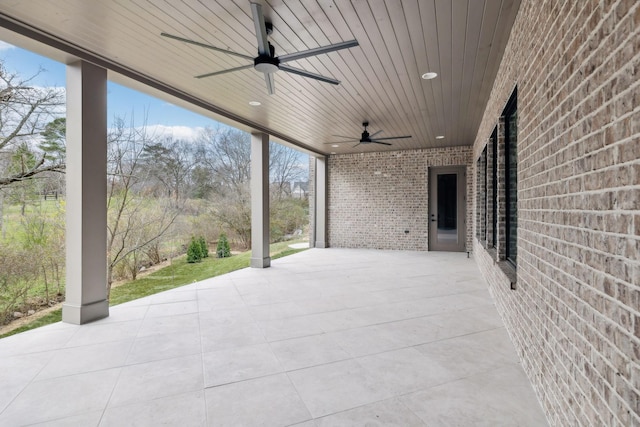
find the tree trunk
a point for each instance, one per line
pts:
(46, 282)
(134, 268)
(2, 229)
(56, 271)
(109, 279)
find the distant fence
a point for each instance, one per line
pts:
(50, 195)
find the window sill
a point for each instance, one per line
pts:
(510, 271)
(506, 267)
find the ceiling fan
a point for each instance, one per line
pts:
(267, 62)
(367, 138)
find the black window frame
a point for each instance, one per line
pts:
(485, 196)
(511, 184)
(481, 196)
(494, 188)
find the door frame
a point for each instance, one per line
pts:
(461, 204)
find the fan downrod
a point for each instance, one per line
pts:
(365, 135)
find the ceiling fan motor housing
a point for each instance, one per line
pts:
(365, 134)
(367, 138)
(266, 64)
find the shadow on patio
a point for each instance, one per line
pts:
(325, 337)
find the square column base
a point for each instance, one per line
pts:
(260, 262)
(79, 315)
(320, 244)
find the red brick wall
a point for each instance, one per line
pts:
(575, 314)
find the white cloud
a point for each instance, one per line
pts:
(185, 133)
(5, 46)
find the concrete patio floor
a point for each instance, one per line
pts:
(326, 337)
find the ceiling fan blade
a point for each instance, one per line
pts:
(357, 144)
(347, 137)
(339, 142)
(261, 29)
(395, 137)
(317, 51)
(378, 142)
(376, 133)
(308, 74)
(230, 70)
(208, 46)
(271, 85)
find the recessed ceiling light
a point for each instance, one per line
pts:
(440, 137)
(333, 152)
(335, 146)
(430, 75)
(254, 103)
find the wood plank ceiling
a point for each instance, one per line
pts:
(399, 40)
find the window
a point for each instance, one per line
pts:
(481, 196)
(494, 187)
(497, 192)
(511, 178)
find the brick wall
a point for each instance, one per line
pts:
(575, 314)
(375, 197)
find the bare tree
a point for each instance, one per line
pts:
(16, 279)
(43, 237)
(285, 168)
(226, 153)
(134, 221)
(169, 162)
(233, 211)
(25, 111)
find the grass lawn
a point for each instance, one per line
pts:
(13, 229)
(177, 274)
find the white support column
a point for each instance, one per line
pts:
(260, 200)
(321, 203)
(86, 176)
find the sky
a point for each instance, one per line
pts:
(121, 101)
(162, 118)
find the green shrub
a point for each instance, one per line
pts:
(194, 251)
(223, 250)
(204, 249)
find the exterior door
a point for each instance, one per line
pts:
(447, 209)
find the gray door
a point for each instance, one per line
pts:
(447, 208)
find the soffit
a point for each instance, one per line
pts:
(461, 40)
